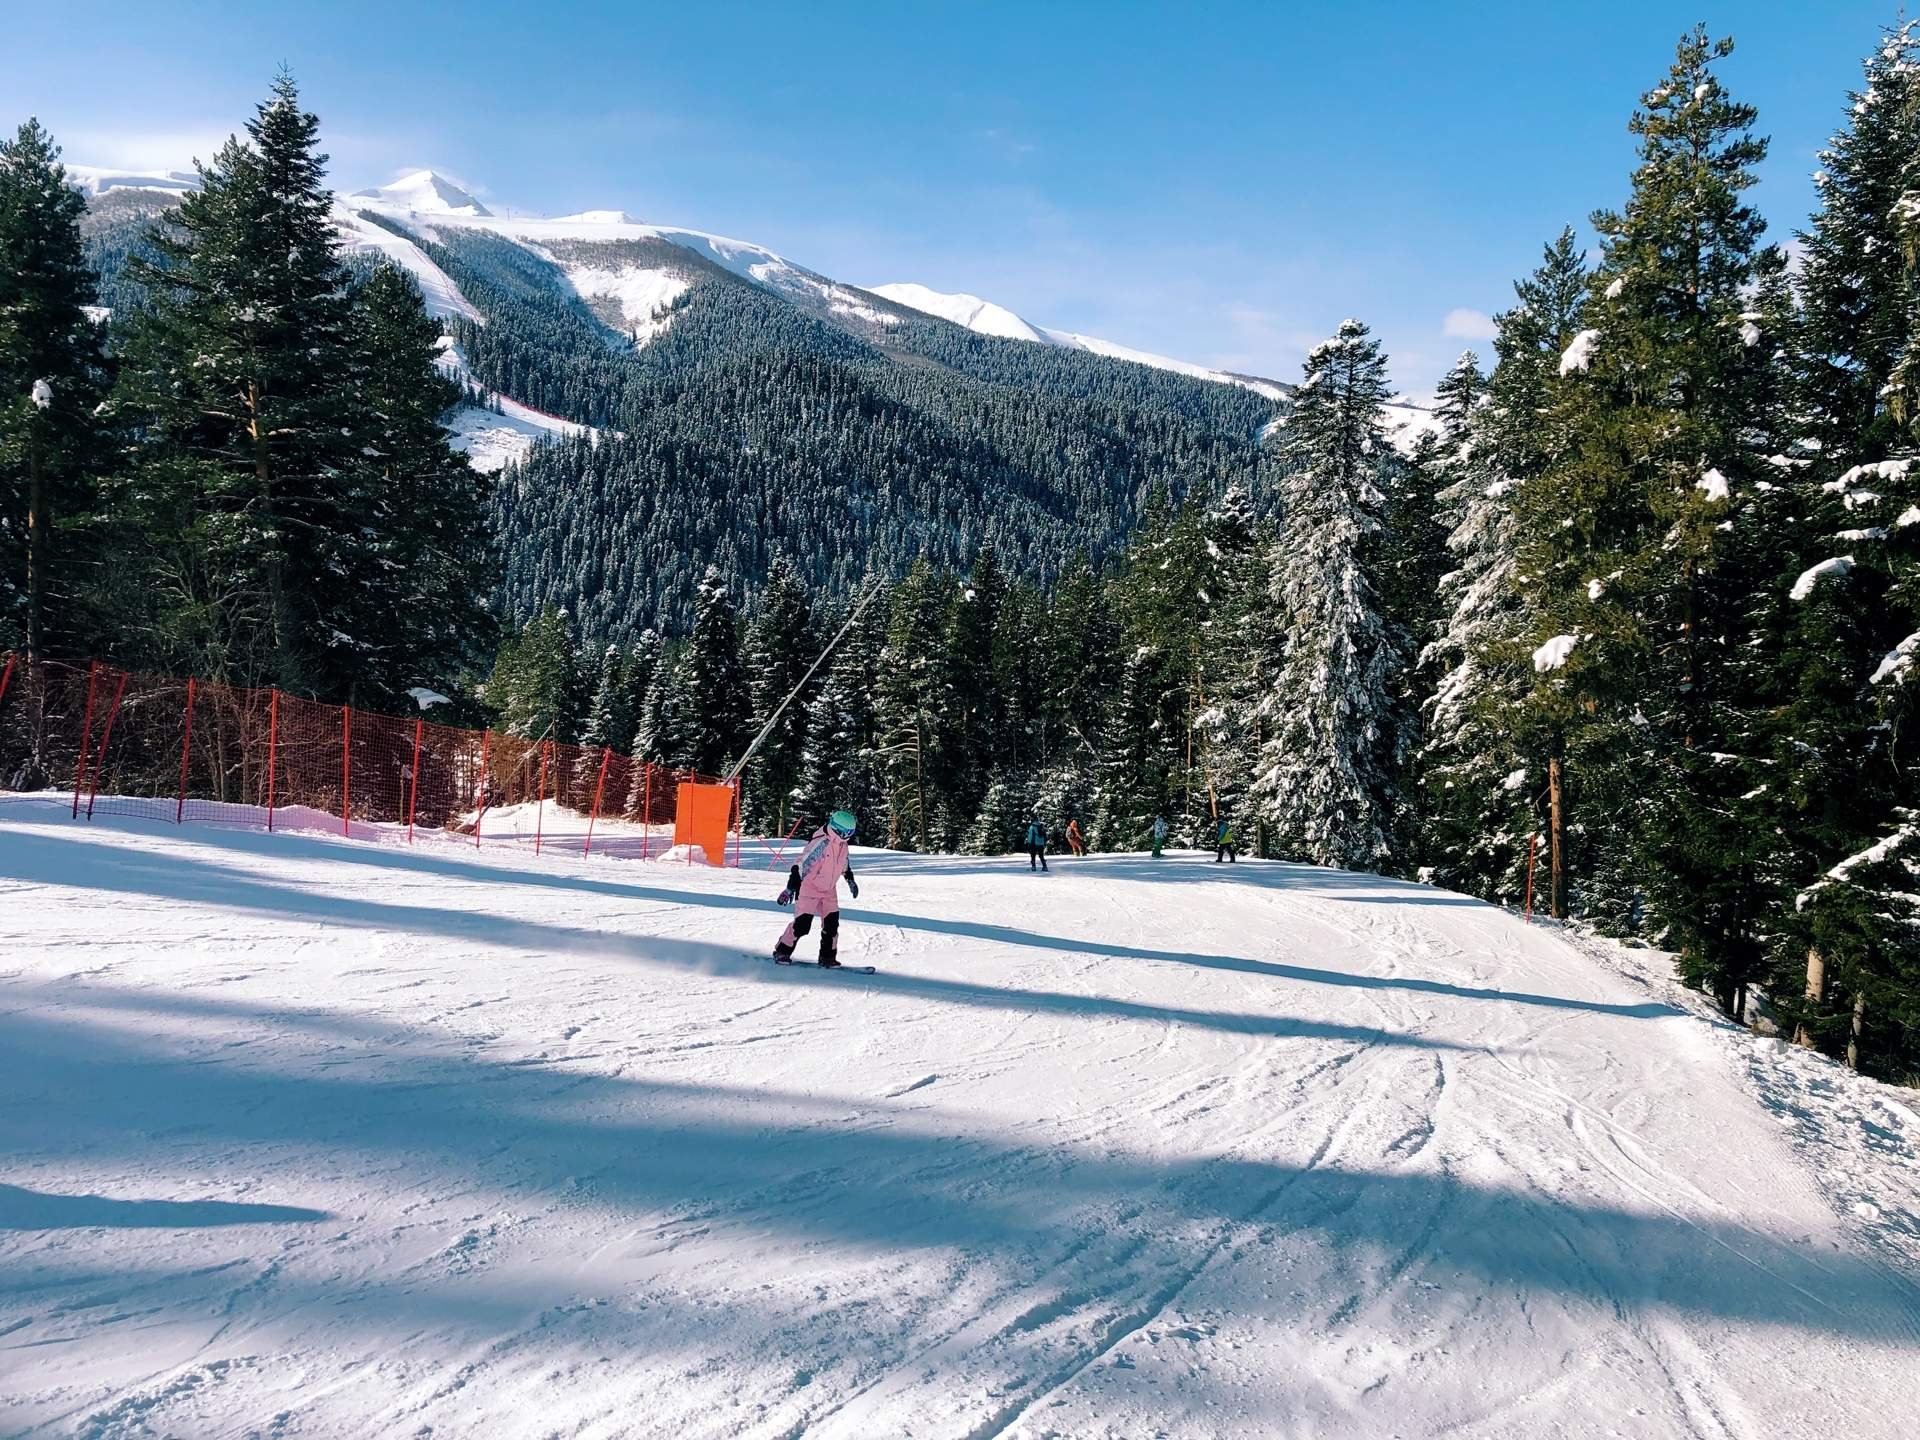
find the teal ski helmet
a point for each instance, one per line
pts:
(842, 823)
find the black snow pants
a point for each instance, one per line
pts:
(829, 935)
(1036, 857)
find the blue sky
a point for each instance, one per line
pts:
(1218, 182)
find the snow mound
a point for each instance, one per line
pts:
(1553, 654)
(422, 192)
(1835, 569)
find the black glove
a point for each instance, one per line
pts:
(786, 898)
(854, 886)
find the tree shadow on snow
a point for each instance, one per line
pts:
(47, 859)
(22, 1209)
(795, 1170)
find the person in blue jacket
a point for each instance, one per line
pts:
(1036, 844)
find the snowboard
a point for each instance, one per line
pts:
(850, 969)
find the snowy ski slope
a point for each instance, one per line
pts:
(312, 1137)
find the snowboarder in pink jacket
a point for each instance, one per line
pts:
(813, 888)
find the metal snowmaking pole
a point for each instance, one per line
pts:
(781, 709)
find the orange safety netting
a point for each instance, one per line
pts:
(100, 740)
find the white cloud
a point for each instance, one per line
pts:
(1463, 324)
(140, 149)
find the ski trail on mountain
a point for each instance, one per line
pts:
(1134, 1147)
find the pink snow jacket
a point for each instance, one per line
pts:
(815, 880)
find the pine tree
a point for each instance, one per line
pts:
(1843, 967)
(713, 683)
(1649, 532)
(534, 690)
(911, 701)
(1485, 758)
(1327, 777)
(52, 377)
(781, 646)
(840, 764)
(237, 374)
(421, 560)
(1133, 766)
(1238, 646)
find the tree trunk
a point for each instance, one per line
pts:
(1859, 1024)
(1556, 836)
(1816, 992)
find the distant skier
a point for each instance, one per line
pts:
(1223, 843)
(1159, 834)
(813, 888)
(1036, 844)
(1076, 841)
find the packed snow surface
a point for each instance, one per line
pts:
(318, 1137)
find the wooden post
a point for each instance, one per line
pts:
(413, 788)
(86, 739)
(606, 758)
(106, 735)
(186, 744)
(1816, 991)
(273, 749)
(1557, 853)
(346, 771)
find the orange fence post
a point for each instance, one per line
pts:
(733, 823)
(106, 734)
(86, 738)
(273, 747)
(7, 674)
(413, 788)
(646, 812)
(186, 744)
(1533, 848)
(540, 810)
(606, 758)
(346, 770)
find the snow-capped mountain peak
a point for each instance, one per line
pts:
(424, 193)
(969, 311)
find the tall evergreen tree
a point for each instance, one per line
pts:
(535, 688)
(233, 374)
(52, 376)
(1649, 532)
(781, 646)
(1484, 760)
(1327, 781)
(713, 682)
(415, 572)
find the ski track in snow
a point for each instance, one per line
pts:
(330, 1138)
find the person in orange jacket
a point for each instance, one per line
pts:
(1075, 840)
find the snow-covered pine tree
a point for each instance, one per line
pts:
(1132, 770)
(840, 765)
(1326, 781)
(1483, 761)
(1239, 645)
(714, 681)
(974, 728)
(911, 700)
(238, 377)
(1657, 527)
(535, 688)
(1844, 971)
(781, 645)
(52, 376)
(1428, 492)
